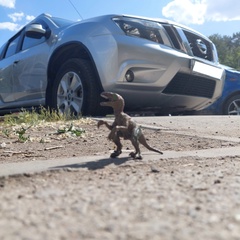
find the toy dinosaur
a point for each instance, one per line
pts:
(123, 127)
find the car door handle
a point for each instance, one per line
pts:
(15, 62)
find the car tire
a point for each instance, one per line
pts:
(75, 90)
(232, 105)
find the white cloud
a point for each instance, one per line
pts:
(18, 21)
(29, 18)
(223, 10)
(199, 11)
(16, 17)
(9, 26)
(185, 11)
(7, 3)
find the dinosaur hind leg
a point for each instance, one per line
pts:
(137, 153)
(118, 151)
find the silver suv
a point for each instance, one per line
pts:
(154, 64)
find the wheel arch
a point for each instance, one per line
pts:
(64, 53)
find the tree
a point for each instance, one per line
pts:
(228, 48)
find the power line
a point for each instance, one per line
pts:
(75, 9)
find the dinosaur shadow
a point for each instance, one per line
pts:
(94, 165)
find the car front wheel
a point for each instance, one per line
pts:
(232, 105)
(75, 90)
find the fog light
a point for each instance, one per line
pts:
(129, 76)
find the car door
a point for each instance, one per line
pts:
(6, 71)
(30, 69)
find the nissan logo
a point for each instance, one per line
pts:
(201, 46)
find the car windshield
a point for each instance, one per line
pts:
(1, 50)
(61, 22)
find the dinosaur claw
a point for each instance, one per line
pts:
(134, 156)
(115, 154)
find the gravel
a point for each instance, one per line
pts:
(174, 199)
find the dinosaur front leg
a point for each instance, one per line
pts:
(101, 122)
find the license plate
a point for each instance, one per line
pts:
(208, 70)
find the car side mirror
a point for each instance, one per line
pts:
(36, 31)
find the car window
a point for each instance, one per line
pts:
(2, 51)
(61, 22)
(30, 42)
(12, 46)
(199, 46)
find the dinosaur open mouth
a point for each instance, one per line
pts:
(106, 97)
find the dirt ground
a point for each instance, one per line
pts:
(173, 199)
(57, 140)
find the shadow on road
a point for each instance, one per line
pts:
(94, 165)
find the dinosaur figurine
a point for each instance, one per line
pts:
(123, 127)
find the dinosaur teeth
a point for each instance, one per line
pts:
(103, 95)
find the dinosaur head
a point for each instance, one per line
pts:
(114, 100)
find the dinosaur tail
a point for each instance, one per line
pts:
(143, 141)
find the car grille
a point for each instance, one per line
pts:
(192, 39)
(192, 85)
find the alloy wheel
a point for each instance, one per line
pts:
(234, 107)
(70, 94)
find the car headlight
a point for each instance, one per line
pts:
(141, 28)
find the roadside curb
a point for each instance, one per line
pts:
(95, 162)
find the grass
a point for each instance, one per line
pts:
(34, 117)
(19, 123)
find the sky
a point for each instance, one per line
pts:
(206, 16)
